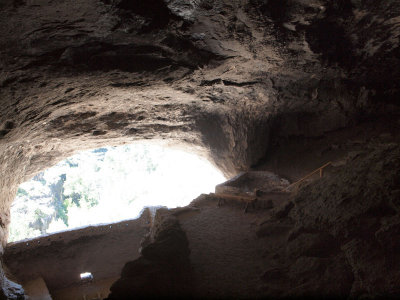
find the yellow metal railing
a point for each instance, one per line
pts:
(251, 199)
(248, 199)
(320, 170)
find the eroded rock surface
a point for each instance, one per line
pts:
(339, 233)
(335, 237)
(230, 80)
(163, 270)
(10, 289)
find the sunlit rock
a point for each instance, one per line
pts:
(250, 85)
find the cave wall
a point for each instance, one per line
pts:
(60, 258)
(227, 78)
(334, 237)
(37, 289)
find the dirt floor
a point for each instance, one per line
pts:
(226, 254)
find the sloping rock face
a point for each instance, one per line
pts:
(362, 216)
(9, 289)
(340, 234)
(222, 78)
(163, 270)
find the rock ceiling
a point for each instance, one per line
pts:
(222, 78)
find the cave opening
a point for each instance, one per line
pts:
(108, 185)
(267, 90)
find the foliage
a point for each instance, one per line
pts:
(58, 199)
(21, 192)
(103, 185)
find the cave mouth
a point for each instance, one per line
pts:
(107, 185)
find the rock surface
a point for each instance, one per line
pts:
(361, 217)
(10, 290)
(101, 250)
(163, 270)
(227, 79)
(335, 237)
(339, 234)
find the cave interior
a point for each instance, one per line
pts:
(268, 91)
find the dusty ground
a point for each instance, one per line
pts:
(226, 254)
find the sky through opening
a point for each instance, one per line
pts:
(108, 185)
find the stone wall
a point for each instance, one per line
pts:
(60, 258)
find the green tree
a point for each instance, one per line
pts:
(59, 203)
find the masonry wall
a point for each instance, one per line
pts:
(60, 258)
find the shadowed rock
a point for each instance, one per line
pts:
(164, 268)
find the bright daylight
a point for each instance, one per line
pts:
(108, 185)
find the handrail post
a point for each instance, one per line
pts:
(321, 173)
